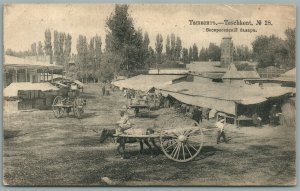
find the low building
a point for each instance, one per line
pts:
(25, 83)
(145, 83)
(234, 76)
(27, 96)
(169, 71)
(27, 70)
(238, 103)
(270, 72)
(287, 79)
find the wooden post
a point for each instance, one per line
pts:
(51, 75)
(26, 75)
(47, 75)
(16, 74)
(236, 122)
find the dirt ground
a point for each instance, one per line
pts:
(42, 150)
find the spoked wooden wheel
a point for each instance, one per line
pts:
(78, 107)
(57, 107)
(182, 145)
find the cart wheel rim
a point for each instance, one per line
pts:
(58, 111)
(57, 107)
(182, 146)
(78, 111)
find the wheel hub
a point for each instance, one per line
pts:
(181, 138)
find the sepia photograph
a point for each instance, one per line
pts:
(149, 95)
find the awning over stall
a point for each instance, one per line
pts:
(146, 82)
(13, 88)
(22, 63)
(222, 97)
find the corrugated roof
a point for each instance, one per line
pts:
(11, 61)
(247, 94)
(203, 67)
(146, 82)
(288, 76)
(13, 88)
(169, 71)
(233, 73)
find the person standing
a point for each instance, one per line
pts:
(197, 115)
(103, 89)
(256, 120)
(272, 116)
(107, 88)
(221, 133)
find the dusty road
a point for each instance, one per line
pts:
(42, 150)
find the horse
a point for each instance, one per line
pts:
(106, 133)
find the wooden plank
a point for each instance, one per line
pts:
(137, 136)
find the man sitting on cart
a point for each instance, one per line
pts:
(124, 123)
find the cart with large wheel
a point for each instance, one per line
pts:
(62, 105)
(179, 144)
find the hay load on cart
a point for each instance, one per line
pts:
(180, 138)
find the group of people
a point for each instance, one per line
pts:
(197, 114)
(273, 117)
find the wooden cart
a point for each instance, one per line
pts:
(63, 105)
(180, 144)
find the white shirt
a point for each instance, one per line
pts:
(220, 126)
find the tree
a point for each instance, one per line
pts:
(213, 52)
(40, 51)
(110, 62)
(158, 48)
(195, 52)
(82, 57)
(67, 50)
(61, 43)
(291, 46)
(98, 55)
(124, 40)
(146, 52)
(178, 48)
(190, 54)
(203, 54)
(55, 46)
(185, 56)
(241, 53)
(173, 44)
(269, 51)
(151, 58)
(48, 45)
(33, 49)
(168, 47)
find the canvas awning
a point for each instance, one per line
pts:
(289, 76)
(13, 88)
(11, 62)
(146, 82)
(222, 97)
(206, 102)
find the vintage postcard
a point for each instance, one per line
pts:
(149, 95)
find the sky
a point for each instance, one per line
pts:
(25, 24)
